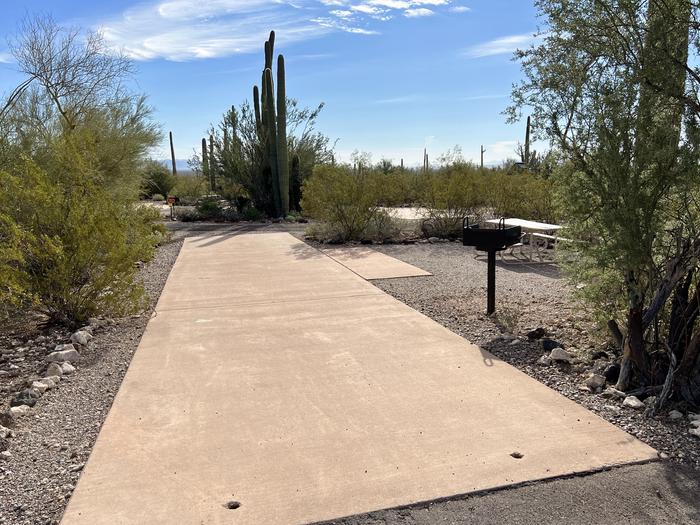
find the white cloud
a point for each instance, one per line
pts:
(460, 9)
(5, 58)
(367, 9)
(501, 46)
(192, 29)
(391, 4)
(418, 12)
(341, 13)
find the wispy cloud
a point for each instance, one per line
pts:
(460, 9)
(398, 100)
(501, 46)
(191, 29)
(418, 12)
(5, 58)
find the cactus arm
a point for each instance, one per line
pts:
(282, 153)
(272, 138)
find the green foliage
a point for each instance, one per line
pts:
(189, 188)
(344, 200)
(80, 259)
(157, 180)
(72, 142)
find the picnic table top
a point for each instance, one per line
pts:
(528, 225)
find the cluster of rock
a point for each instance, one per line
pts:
(58, 363)
(596, 383)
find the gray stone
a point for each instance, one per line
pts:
(633, 402)
(81, 337)
(39, 386)
(67, 368)
(67, 354)
(695, 423)
(614, 392)
(19, 411)
(595, 382)
(692, 416)
(54, 369)
(5, 455)
(560, 355)
(695, 432)
(5, 432)
(50, 381)
(545, 360)
(675, 415)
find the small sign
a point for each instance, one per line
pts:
(172, 200)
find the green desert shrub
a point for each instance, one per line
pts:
(346, 201)
(81, 257)
(157, 180)
(189, 188)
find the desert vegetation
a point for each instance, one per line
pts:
(72, 142)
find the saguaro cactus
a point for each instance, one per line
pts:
(212, 164)
(205, 163)
(271, 121)
(282, 153)
(526, 148)
(172, 154)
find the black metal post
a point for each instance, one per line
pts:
(491, 283)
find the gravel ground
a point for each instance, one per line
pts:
(527, 297)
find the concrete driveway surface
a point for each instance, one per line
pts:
(273, 377)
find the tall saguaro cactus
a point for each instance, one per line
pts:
(172, 154)
(282, 153)
(271, 121)
(526, 150)
(205, 164)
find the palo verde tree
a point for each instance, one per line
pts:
(72, 141)
(613, 85)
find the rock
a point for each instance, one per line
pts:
(50, 381)
(67, 368)
(4, 444)
(612, 373)
(595, 382)
(5, 432)
(650, 401)
(20, 411)
(54, 369)
(614, 392)
(695, 423)
(601, 354)
(5, 455)
(28, 397)
(81, 337)
(550, 344)
(39, 386)
(537, 333)
(433, 240)
(545, 360)
(67, 354)
(675, 415)
(7, 419)
(633, 402)
(560, 355)
(695, 432)
(692, 416)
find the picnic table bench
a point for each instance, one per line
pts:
(535, 231)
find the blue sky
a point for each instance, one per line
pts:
(396, 75)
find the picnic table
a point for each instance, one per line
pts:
(536, 231)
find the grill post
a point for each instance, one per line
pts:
(491, 283)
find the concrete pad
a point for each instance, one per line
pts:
(371, 264)
(313, 406)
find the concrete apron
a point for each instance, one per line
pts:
(273, 376)
(371, 264)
